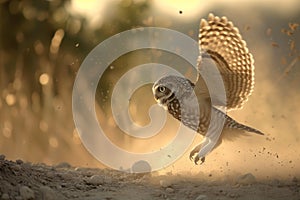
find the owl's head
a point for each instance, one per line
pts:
(169, 88)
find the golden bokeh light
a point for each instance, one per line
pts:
(44, 79)
(43, 126)
(10, 99)
(56, 41)
(7, 129)
(53, 142)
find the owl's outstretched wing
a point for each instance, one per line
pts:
(220, 41)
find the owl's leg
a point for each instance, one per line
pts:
(203, 149)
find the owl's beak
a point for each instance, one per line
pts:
(158, 98)
(153, 92)
(161, 103)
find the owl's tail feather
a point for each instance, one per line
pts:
(231, 123)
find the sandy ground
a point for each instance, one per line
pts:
(22, 180)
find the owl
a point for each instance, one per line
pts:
(224, 82)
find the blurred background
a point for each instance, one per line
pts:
(43, 43)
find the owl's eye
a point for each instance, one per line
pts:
(161, 89)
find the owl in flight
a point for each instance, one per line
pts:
(203, 105)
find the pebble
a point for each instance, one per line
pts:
(165, 183)
(49, 194)
(79, 169)
(201, 197)
(26, 193)
(246, 179)
(2, 157)
(95, 180)
(169, 190)
(79, 186)
(232, 195)
(67, 175)
(5, 196)
(63, 165)
(19, 162)
(108, 180)
(16, 167)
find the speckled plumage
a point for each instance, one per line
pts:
(195, 104)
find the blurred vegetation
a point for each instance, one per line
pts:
(42, 45)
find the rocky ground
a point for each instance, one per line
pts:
(21, 180)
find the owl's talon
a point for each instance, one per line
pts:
(194, 155)
(194, 152)
(197, 158)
